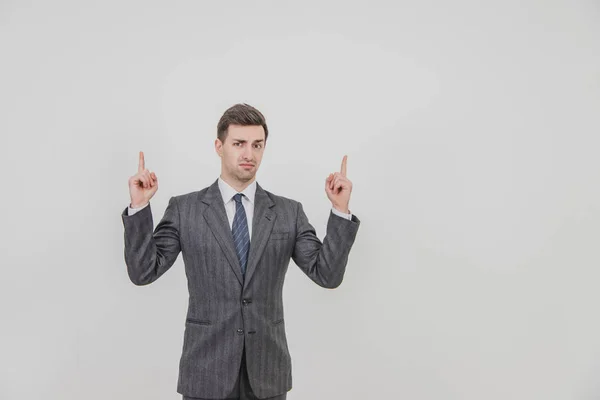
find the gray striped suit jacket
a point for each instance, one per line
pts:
(226, 310)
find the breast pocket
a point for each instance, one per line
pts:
(279, 236)
(196, 321)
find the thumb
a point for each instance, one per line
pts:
(328, 184)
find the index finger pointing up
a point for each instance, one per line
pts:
(343, 170)
(141, 165)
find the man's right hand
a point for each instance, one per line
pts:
(142, 185)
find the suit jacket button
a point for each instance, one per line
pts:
(240, 331)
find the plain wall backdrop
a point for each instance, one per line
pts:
(471, 130)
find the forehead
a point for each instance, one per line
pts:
(248, 133)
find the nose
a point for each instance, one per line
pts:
(247, 153)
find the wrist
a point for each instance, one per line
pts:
(342, 209)
(132, 205)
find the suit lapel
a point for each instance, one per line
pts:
(216, 218)
(262, 225)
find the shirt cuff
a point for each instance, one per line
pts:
(131, 211)
(341, 214)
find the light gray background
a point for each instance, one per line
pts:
(471, 130)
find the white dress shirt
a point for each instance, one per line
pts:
(227, 193)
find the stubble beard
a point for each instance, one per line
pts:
(243, 176)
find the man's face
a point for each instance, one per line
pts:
(242, 152)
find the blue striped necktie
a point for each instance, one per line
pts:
(241, 236)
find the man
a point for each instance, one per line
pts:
(236, 240)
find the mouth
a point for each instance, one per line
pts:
(247, 166)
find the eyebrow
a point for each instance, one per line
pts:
(244, 141)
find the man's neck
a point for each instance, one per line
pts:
(238, 186)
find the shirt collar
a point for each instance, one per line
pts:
(227, 192)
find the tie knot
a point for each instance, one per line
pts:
(238, 198)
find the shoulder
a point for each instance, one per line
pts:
(190, 197)
(282, 201)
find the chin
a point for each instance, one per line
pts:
(245, 177)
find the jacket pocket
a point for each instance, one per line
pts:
(198, 321)
(277, 321)
(279, 235)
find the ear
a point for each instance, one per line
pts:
(219, 147)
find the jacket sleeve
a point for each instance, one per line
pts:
(150, 254)
(324, 262)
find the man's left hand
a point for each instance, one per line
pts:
(338, 188)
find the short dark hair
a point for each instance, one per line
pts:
(240, 114)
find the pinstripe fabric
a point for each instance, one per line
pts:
(242, 389)
(226, 310)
